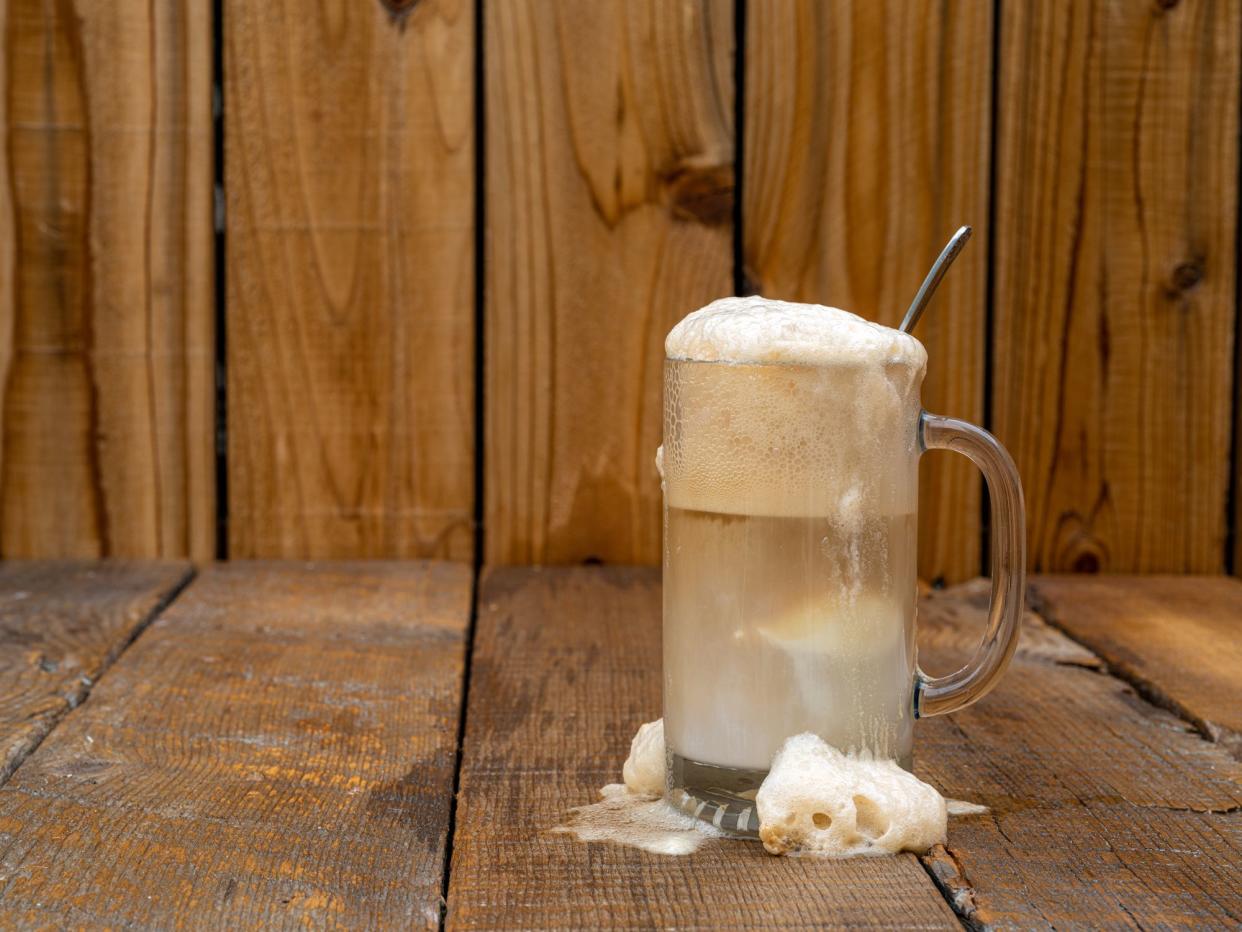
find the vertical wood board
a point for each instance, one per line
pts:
(106, 282)
(349, 174)
(1116, 187)
(609, 217)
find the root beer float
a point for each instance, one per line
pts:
(792, 434)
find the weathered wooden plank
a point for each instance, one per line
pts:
(106, 307)
(1178, 639)
(61, 625)
(566, 665)
(1105, 810)
(277, 750)
(1116, 187)
(350, 193)
(867, 144)
(609, 213)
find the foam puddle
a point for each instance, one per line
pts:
(814, 784)
(638, 821)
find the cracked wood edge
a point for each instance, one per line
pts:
(1176, 639)
(62, 624)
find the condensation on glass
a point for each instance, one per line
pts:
(790, 530)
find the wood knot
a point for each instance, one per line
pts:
(1164, 5)
(701, 192)
(398, 10)
(1185, 276)
(1087, 563)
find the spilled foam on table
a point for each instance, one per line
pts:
(960, 807)
(815, 801)
(635, 813)
(637, 820)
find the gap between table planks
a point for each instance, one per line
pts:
(61, 625)
(1104, 809)
(277, 749)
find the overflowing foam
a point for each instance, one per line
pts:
(790, 410)
(760, 330)
(819, 801)
(644, 768)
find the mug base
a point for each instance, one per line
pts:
(721, 796)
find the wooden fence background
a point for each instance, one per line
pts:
(357, 279)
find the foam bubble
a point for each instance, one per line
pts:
(816, 800)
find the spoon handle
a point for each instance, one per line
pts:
(932, 281)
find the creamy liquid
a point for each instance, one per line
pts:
(786, 625)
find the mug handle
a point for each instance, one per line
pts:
(935, 695)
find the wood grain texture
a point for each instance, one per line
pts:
(276, 751)
(1106, 812)
(566, 666)
(350, 197)
(1116, 187)
(61, 625)
(609, 213)
(1177, 639)
(106, 305)
(867, 144)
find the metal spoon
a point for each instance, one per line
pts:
(932, 281)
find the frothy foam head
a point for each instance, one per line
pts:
(760, 330)
(773, 408)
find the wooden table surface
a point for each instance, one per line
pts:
(386, 745)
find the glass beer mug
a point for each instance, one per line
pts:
(790, 529)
